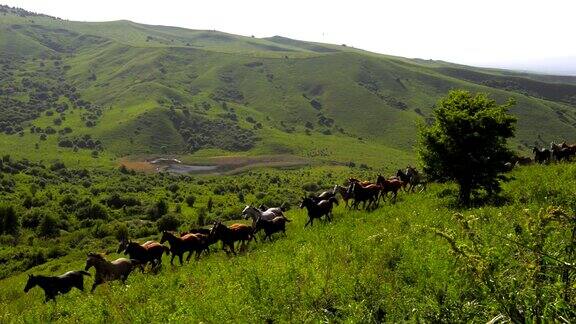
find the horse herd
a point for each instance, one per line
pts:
(559, 152)
(197, 241)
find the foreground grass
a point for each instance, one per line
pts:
(386, 265)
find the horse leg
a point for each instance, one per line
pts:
(180, 257)
(308, 222)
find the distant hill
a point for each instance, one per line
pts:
(77, 90)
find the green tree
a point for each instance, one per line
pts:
(466, 142)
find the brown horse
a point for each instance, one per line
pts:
(230, 235)
(149, 252)
(363, 194)
(179, 245)
(389, 186)
(109, 271)
(318, 209)
(344, 193)
(54, 286)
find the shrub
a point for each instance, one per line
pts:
(48, 226)
(93, 211)
(159, 209)
(190, 200)
(168, 222)
(8, 220)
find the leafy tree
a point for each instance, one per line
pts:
(467, 142)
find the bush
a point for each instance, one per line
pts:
(159, 209)
(173, 187)
(8, 220)
(32, 218)
(190, 200)
(48, 226)
(168, 222)
(94, 211)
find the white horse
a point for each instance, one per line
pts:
(256, 213)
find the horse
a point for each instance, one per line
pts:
(179, 245)
(318, 209)
(325, 195)
(571, 147)
(541, 155)
(405, 178)
(278, 224)
(277, 210)
(389, 186)
(232, 234)
(416, 179)
(255, 213)
(562, 154)
(343, 193)
(54, 286)
(109, 271)
(523, 160)
(353, 180)
(149, 252)
(369, 193)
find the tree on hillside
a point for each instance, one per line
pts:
(467, 142)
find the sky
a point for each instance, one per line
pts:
(499, 33)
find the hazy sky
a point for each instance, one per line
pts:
(479, 32)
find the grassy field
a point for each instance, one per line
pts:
(385, 265)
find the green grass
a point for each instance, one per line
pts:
(382, 265)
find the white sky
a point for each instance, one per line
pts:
(477, 32)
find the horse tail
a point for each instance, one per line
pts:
(85, 273)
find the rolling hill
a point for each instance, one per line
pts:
(96, 92)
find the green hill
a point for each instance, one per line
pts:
(147, 90)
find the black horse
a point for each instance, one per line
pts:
(57, 285)
(541, 155)
(318, 209)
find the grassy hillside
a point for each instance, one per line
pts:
(146, 90)
(387, 265)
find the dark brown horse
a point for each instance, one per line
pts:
(278, 224)
(389, 186)
(541, 155)
(54, 286)
(149, 252)
(109, 271)
(318, 209)
(179, 245)
(230, 235)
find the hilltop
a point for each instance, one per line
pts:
(96, 92)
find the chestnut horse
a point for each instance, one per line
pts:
(389, 186)
(54, 286)
(343, 193)
(109, 271)
(361, 193)
(179, 245)
(230, 235)
(149, 252)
